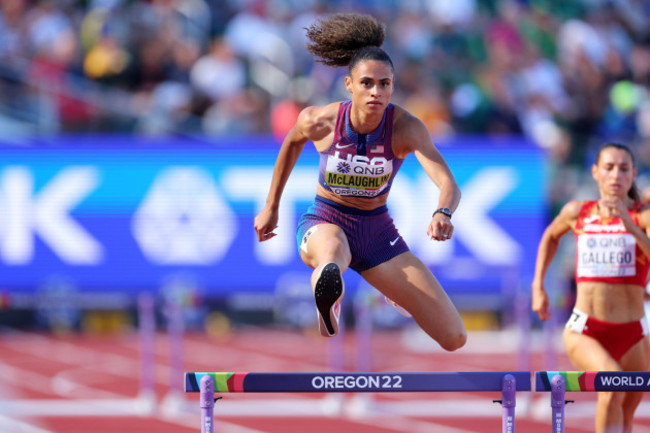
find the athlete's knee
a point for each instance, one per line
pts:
(335, 248)
(453, 340)
(612, 400)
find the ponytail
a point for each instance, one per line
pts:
(347, 39)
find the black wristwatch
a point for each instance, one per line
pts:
(443, 210)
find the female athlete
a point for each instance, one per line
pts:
(362, 144)
(607, 329)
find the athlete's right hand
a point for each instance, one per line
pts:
(265, 222)
(540, 302)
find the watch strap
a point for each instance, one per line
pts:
(443, 210)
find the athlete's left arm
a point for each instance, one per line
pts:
(643, 238)
(640, 232)
(413, 136)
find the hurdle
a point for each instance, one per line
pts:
(207, 383)
(558, 383)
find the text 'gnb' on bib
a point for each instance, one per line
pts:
(606, 255)
(358, 175)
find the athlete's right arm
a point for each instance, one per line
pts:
(546, 251)
(294, 142)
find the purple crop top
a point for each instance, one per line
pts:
(359, 165)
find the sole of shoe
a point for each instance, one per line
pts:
(328, 291)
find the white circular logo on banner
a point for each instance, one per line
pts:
(183, 220)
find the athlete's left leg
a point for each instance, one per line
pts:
(635, 359)
(407, 281)
(588, 354)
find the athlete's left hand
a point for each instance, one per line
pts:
(440, 227)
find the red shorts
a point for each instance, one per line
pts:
(616, 338)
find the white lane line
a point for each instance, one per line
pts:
(244, 357)
(9, 425)
(325, 407)
(75, 408)
(27, 379)
(219, 425)
(541, 409)
(94, 366)
(412, 426)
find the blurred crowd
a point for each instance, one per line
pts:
(567, 74)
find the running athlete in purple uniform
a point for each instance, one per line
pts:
(362, 144)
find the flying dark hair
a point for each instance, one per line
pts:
(633, 193)
(347, 39)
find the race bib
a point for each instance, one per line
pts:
(358, 175)
(606, 255)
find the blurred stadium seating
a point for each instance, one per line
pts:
(558, 77)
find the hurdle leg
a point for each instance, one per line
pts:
(508, 402)
(558, 394)
(207, 404)
(147, 331)
(176, 332)
(362, 402)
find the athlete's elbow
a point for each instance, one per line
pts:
(454, 341)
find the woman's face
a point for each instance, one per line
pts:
(614, 172)
(371, 85)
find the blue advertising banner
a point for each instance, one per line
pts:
(117, 214)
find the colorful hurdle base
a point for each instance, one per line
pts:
(506, 382)
(559, 382)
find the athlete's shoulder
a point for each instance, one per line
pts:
(318, 121)
(403, 119)
(319, 113)
(644, 214)
(409, 132)
(572, 209)
(641, 206)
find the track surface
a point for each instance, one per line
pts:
(75, 384)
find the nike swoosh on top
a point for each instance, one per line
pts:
(394, 241)
(339, 146)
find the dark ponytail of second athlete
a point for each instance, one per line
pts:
(633, 193)
(347, 39)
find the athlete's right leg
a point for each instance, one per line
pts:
(587, 354)
(325, 248)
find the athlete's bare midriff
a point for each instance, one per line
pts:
(616, 303)
(358, 203)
